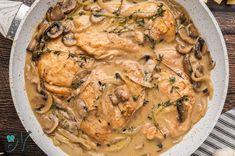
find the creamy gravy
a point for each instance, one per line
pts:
(116, 77)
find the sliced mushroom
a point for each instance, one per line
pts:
(80, 108)
(55, 30)
(32, 45)
(55, 13)
(184, 36)
(192, 31)
(42, 28)
(96, 19)
(184, 49)
(199, 72)
(114, 99)
(69, 40)
(198, 48)
(182, 19)
(45, 107)
(73, 138)
(197, 86)
(187, 65)
(68, 6)
(87, 8)
(122, 93)
(182, 113)
(212, 65)
(49, 123)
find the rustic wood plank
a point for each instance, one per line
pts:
(9, 121)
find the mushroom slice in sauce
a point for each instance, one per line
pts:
(69, 39)
(75, 139)
(68, 6)
(198, 48)
(55, 30)
(184, 49)
(32, 45)
(96, 19)
(55, 13)
(184, 36)
(50, 123)
(48, 103)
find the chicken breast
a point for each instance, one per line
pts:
(102, 45)
(96, 128)
(173, 113)
(170, 55)
(163, 27)
(59, 69)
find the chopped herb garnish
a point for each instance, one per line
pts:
(168, 103)
(159, 59)
(160, 12)
(156, 86)
(135, 98)
(83, 58)
(174, 88)
(102, 85)
(71, 55)
(172, 80)
(150, 40)
(36, 55)
(117, 76)
(69, 18)
(81, 13)
(97, 13)
(145, 102)
(141, 22)
(118, 11)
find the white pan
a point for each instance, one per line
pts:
(13, 13)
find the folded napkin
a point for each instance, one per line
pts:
(222, 136)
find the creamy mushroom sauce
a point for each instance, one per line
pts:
(111, 77)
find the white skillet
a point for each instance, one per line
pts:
(13, 13)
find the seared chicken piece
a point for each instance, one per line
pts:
(58, 45)
(90, 94)
(163, 27)
(178, 99)
(141, 10)
(59, 69)
(102, 45)
(96, 128)
(135, 72)
(118, 114)
(152, 132)
(170, 55)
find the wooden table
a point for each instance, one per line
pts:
(10, 123)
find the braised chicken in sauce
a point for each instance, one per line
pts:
(118, 77)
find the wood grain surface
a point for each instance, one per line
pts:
(10, 123)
